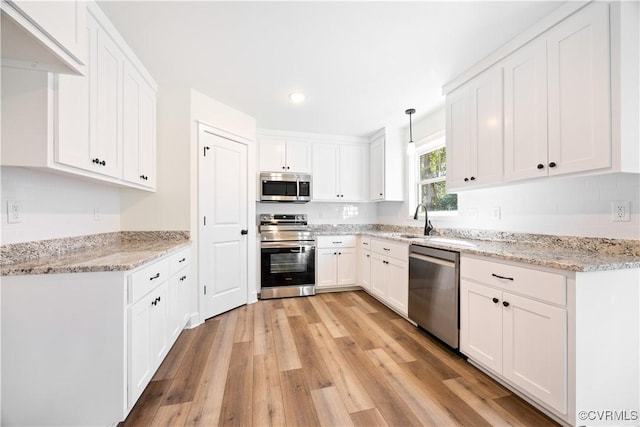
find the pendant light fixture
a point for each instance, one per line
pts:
(411, 146)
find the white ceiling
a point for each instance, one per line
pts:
(361, 64)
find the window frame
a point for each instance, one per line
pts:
(430, 143)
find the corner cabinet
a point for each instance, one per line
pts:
(100, 126)
(112, 331)
(340, 172)
(385, 167)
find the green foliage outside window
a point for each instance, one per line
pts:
(432, 186)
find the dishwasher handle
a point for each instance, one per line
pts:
(443, 262)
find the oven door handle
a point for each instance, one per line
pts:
(285, 245)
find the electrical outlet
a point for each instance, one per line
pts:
(14, 215)
(97, 216)
(495, 212)
(620, 211)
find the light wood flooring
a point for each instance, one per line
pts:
(335, 359)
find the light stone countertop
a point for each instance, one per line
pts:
(582, 254)
(119, 251)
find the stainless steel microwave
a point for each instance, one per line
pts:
(285, 187)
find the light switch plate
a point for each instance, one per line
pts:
(14, 215)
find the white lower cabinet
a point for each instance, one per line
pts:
(513, 320)
(112, 331)
(336, 261)
(364, 264)
(390, 274)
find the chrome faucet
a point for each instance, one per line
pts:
(427, 224)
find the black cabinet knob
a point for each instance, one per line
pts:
(381, 194)
(505, 303)
(552, 165)
(495, 300)
(540, 166)
(466, 179)
(244, 232)
(103, 163)
(473, 178)
(283, 167)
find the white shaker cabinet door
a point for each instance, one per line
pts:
(535, 348)
(458, 139)
(397, 277)
(377, 170)
(273, 155)
(325, 172)
(353, 173)
(525, 112)
(327, 267)
(298, 156)
(579, 92)
(347, 266)
(481, 324)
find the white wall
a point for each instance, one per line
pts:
(55, 206)
(573, 206)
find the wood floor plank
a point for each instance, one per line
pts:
(171, 415)
(394, 349)
(481, 405)
(352, 326)
(368, 418)
(377, 305)
(195, 361)
(309, 311)
(525, 413)
(262, 329)
(358, 300)
(330, 407)
(298, 405)
(353, 393)
(237, 399)
(207, 401)
(410, 390)
(171, 363)
(285, 345)
(311, 358)
(244, 327)
(328, 318)
(413, 344)
(490, 388)
(394, 410)
(145, 409)
(292, 307)
(268, 406)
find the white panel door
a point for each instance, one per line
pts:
(579, 87)
(106, 84)
(525, 112)
(481, 324)
(486, 163)
(535, 349)
(325, 172)
(353, 174)
(223, 220)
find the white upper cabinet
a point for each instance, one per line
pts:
(284, 155)
(567, 108)
(101, 125)
(474, 132)
(578, 91)
(340, 172)
(557, 114)
(139, 123)
(45, 35)
(386, 167)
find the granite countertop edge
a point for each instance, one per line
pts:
(130, 252)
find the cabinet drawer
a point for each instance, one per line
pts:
(147, 278)
(542, 285)
(180, 259)
(336, 241)
(391, 249)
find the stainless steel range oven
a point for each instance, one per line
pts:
(287, 256)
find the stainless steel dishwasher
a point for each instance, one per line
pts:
(434, 278)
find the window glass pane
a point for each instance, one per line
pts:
(435, 196)
(433, 164)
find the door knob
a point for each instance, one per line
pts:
(243, 232)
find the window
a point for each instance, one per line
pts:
(431, 174)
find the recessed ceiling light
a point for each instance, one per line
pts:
(297, 97)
